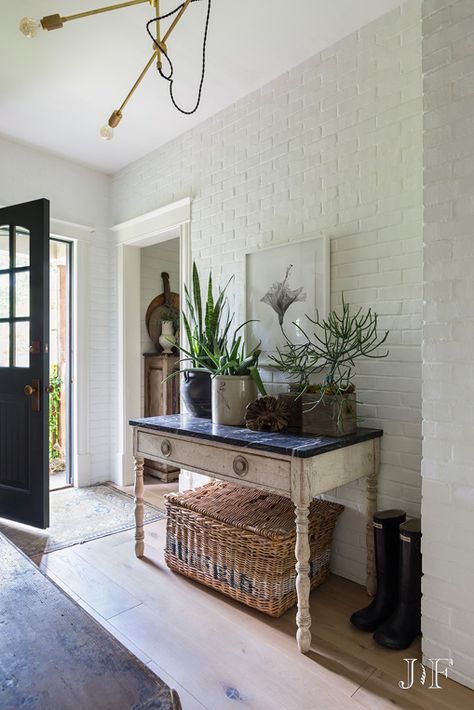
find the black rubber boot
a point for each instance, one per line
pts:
(386, 536)
(404, 625)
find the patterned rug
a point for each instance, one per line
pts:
(78, 515)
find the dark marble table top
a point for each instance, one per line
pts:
(286, 443)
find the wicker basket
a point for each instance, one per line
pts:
(241, 541)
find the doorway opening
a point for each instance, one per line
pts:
(159, 281)
(161, 225)
(60, 401)
(160, 316)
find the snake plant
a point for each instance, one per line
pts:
(212, 346)
(206, 328)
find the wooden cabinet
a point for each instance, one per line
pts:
(161, 398)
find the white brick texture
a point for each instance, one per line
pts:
(448, 334)
(332, 146)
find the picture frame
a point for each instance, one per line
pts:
(283, 284)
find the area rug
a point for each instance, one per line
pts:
(54, 655)
(78, 515)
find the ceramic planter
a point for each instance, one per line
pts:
(230, 396)
(323, 418)
(196, 392)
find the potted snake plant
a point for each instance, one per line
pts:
(206, 326)
(236, 381)
(234, 375)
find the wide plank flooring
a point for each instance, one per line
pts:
(218, 653)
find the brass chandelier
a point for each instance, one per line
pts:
(30, 27)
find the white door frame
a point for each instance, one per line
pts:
(79, 236)
(131, 236)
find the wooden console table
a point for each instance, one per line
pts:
(299, 467)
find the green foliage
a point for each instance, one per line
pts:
(54, 410)
(212, 344)
(208, 333)
(331, 351)
(232, 359)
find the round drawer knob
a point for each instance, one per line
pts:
(165, 447)
(241, 466)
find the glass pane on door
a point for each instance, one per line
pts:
(22, 344)
(22, 294)
(4, 247)
(4, 344)
(4, 295)
(22, 248)
(14, 297)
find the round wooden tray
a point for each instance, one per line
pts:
(160, 309)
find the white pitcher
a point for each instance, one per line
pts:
(167, 339)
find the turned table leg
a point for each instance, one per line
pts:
(372, 479)
(139, 488)
(303, 584)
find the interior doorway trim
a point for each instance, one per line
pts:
(143, 229)
(131, 236)
(80, 236)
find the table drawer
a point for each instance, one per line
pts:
(237, 464)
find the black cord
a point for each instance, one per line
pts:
(169, 77)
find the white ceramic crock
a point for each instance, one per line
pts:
(230, 396)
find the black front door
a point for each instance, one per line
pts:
(24, 363)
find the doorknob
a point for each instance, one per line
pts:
(33, 391)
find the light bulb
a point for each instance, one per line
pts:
(29, 27)
(107, 132)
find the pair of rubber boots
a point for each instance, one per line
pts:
(395, 611)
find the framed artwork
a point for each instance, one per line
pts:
(283, 284)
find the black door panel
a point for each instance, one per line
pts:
(24, 363)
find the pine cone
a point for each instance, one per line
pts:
(267, 413)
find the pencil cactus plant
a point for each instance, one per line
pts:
(331, 351)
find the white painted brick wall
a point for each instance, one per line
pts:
(334, 146)
(448, 334)
(80, 195)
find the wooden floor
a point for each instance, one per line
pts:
(218, 653)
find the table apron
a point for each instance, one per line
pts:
(216, 460)
(266, 470)
(339, 467)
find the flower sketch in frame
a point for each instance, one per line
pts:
(280, 296)
(283, 284)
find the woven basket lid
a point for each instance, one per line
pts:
(260, 512)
